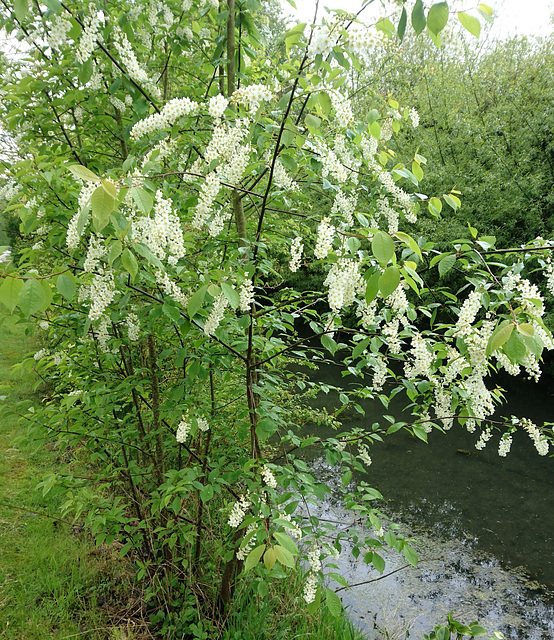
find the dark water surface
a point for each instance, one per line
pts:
(487, 521)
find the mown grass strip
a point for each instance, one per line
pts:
(53, 583)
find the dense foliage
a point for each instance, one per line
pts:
(172, 176)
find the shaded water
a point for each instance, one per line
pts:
(488, 521)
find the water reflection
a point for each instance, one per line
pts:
(487, 520)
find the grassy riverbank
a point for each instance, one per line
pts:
(53, 582)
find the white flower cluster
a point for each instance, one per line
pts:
(345, 205)
(443, 406)
(367, 313)
(539, 440)
(102, 292)
(476, 343)
(390, 332)
(401, 197)
(369, 146)
(363, 454)
(296, 531)
(91, 33)
(208, 193)
(397, 300)
(217, 106)
(220, 217)
(469, 310)
(549, 275)
(118, 104)
(133, 327)
(342, 107)
(102, 335)
(325, 235)
(486, 435)
(383, 209)
(171, 289)
(480, 400)
(246, 295)
(57, 34)
(243, 552)
(171, 112)
(43, 324)
(268, 477)
(203, 424)
(322, 42)
(360, 42)
(380, 373)
(183, 430)
(129, 59)
(310, 588)
(72, 238)
(282, 178)
(252, 95)
(96, 251)
(39, 355)
(414, 117)
(296, 249)
(422, 359)
(216, 315)
(505, 445)
(344, 281)
(238, 511)
(9, 190)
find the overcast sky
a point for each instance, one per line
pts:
(513, 17)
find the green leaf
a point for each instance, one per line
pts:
(410, 242)
(499, 337)
(143, 199)
(477, 630)
(286, 542)
(115, 251)
(254, 557)
(378, 562)
(434, 206)
(313, 122)
(437, 17)
(171, 312)
(515, 348)
(110, 188)
(333, 603)
(470, 23)
(102, 204)
(82, 173)
(417, 171)
(284, 556)
(9, 292)
(452, 201)
(20, 8)
(65, 284)
(231, 294)
(325, 102)
(410, 555)
(270, 558)
(382, 246)
(446, 264)
(130, 263)
(145, 252)
(196, 301)
(372, 288)
(401, 30)
(526, 329)
(31, 297)
(265, 428)
(346, 477)
(207, 493)
(86, 69)
(418, 17)
(389, 281)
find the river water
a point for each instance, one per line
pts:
(484, 525)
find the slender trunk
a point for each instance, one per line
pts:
(156, 424)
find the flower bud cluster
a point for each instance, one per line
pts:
(325, 235)
(296, 250)
(246, 295)
(238, 511)
(57, 34)
(216, 315)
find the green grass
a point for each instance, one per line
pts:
(53, 583)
